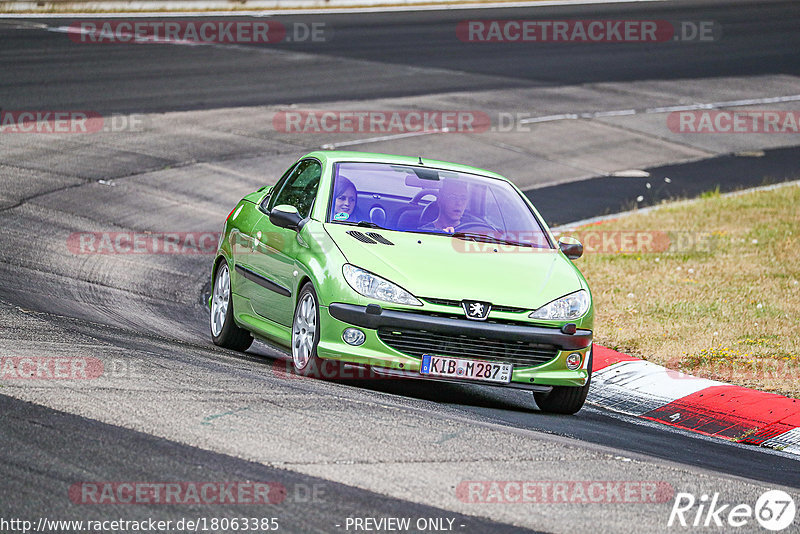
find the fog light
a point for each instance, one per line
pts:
(574, 361)
(354, 336)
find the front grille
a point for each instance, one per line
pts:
(457, 303)
(461, 315)
(419, 342)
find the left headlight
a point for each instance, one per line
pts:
(373, 286)
(567, 307)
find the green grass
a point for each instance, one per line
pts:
(722, 302)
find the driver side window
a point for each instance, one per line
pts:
(300, 188)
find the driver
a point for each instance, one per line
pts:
(453, 197)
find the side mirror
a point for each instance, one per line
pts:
(571, 247)
(285, 216)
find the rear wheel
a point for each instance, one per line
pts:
(564, 399)
(224, 331)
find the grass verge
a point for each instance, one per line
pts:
(710, 287)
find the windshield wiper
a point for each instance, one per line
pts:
(368, 224)
(489, 239)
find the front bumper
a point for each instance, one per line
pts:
(374, 317)
(376, 322)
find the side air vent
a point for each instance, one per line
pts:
(444, 302)
(361, 237)
(379, 238)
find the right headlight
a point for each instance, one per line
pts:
(373, 286)
(565, 308)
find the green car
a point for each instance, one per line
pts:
(408, 267)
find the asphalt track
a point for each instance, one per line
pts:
(73, 447)
(604, 195)
(195, 412)
(400, 54)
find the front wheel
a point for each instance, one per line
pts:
(564, 399)
(305, 331)
(224, 331)
(305, 338)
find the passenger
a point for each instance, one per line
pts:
(345, 197)
(452, 200)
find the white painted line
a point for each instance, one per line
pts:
(597, 114)
(616, 113)
(687, 107)
(332, 146)
(550, 118)
(631, 173)
(756, 101)
(199, 5)
(664, 109)
(145, 40)
(131, 36)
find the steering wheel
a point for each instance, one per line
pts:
(476, 224)
(425, 192)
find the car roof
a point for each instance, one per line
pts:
(336, 156)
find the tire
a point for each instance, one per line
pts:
(564, 399)
(224, 331)
(305, 337)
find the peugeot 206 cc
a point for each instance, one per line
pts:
(409, 267)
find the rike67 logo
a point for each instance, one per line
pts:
(774, 510)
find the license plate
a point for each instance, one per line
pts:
(466, 369)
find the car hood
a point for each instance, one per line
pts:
(444, 267)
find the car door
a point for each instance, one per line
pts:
(244, 224)
(277, 248)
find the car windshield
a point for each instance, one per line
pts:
(410, 198)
